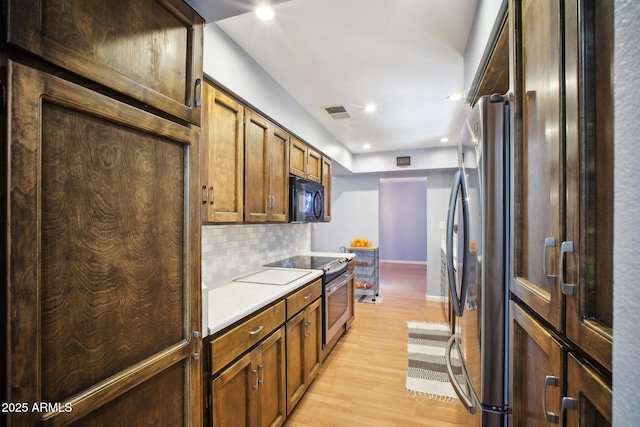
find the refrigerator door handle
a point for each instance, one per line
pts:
(467, 401)
(459, 186)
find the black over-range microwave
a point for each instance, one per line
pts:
(306, 200)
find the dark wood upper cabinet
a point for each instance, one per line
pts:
(104, 257)
(539, 156)
(149, 50)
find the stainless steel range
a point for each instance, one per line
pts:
(335, 292)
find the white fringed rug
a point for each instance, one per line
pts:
(426, 372)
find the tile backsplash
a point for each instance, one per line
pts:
(230, 250)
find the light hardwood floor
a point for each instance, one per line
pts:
(362, 381)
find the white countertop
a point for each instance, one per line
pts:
(232, 299)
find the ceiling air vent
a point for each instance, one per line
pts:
(337, 112)
(403, 161)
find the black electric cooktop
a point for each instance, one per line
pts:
(303, 261)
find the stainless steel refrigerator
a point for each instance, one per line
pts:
(477, 263)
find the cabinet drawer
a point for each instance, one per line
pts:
(303, 297)
(232, 344)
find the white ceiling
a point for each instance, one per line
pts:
(404, 56)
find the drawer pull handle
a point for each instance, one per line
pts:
(306, 297)
(549, 381)
(257, 331)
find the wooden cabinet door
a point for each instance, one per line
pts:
(296, 378)
(537, 381)
(538, 155)
(222, 159)
(313, 339)
(149, 50)
(232, 395)
(256, 141)
(278, 197)
(589, 397)
(104, 258)
(298, 158)
(587, 276)
(326, 181)
(272, 404)
(314, 165)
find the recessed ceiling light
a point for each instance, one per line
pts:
(366, 146)
(370, 108)
(265, 12)
(445, 139)
(455, 96)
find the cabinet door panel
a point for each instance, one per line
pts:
(104, 255)
(231, 395)
(296, 378)
(150, 50)
(279, 175)
(256, 167)
(314, 165)
(271, 381)
(539, 145)
(326, 181)
(590, 395)
(222, 144)
(535, 356)
(313, 339)
(589, 305)
(298, 158)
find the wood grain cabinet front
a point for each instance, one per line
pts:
(251, 392)
(149, 50)
(266, 176)
(222, 159)
(304, 351)
(231, 344)
(304, 161)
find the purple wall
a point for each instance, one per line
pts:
(403, 220)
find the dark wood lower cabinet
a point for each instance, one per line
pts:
(304, 351)
(550, 383)
(251, 392)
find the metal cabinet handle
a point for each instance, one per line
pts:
(567, 288)
(261, 370)
(568, 403)
(254, 372)
(549, 381)
(205, 194)
(196, 337)
(549, 242)
(307, 326)
(257, 330)
(212, 193)
(306, 297)
(198, 92)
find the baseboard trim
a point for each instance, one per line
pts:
(393, 261)
(436, 298)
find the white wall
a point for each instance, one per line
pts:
(403, 220)
(483, 22)
(626, 273)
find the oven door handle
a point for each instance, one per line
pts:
(341, 283)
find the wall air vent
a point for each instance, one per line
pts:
(403, 161)
(337, 112)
